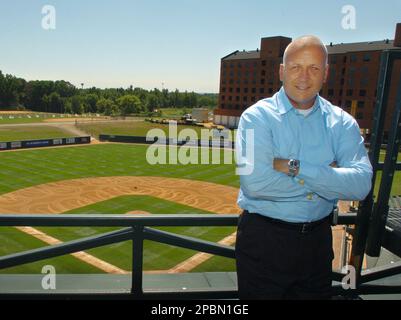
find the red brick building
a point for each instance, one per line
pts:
(248, 76)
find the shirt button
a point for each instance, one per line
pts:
(309, 196)
(301, 182)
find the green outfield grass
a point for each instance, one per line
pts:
(29, 132)
(23, 118)
(20, 120)
(135, 128)
(28, 168)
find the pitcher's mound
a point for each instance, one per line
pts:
(138, 212)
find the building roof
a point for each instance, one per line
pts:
(332, 49)
(361, 46)
(238, 55)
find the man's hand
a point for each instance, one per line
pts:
(281, 165)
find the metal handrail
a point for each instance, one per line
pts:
(137, 229)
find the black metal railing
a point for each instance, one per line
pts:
(137, 229)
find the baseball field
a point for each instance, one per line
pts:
(113, 178)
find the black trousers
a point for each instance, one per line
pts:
(275, 262)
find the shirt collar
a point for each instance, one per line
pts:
(284, 105)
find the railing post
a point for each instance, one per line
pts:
(137, 261)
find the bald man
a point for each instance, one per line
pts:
(308, 154)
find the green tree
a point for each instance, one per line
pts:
(103, 105)
(76, 105)
(129, 104)
(56, 103)
(152, 102)
(90, 101)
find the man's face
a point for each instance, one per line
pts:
(303, 75)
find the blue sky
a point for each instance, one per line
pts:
(175, 42)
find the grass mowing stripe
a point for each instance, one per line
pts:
(120, 254)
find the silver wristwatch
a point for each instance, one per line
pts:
(293, 166)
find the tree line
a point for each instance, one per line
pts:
(63, 97)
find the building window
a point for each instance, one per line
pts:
(361, 104)
(222, 106)
(238, 90)
(239, 65)
(246, 90)
(341, 92)
(270, 90)
(353, 58)
(230, 98)
(245, 98)
(230, 89)
(237, 98)
(223, 97)
(332, 76)
(223, 89)
(263, 73)
(261, 90)
(345, 59)
(359, 115)
(362, 93)
(330, 92)
(333, 59)
(364, 82)
(237, 106)
(262, 81)
(351, 82)
(367, 57)
(253, 90)
(253, 99)
(263, 62)
(350, 92)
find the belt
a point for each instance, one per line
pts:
(302, 227)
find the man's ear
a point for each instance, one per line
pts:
(281, 72)
(326, 73)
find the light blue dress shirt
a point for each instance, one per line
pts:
(326, 134)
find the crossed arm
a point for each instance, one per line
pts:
(347, 178)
